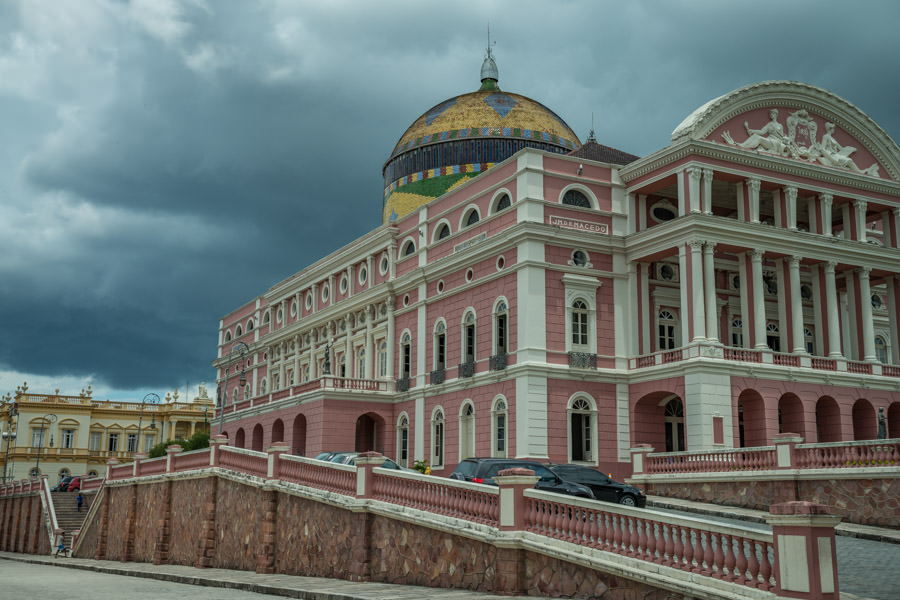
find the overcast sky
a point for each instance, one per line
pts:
(163, 161)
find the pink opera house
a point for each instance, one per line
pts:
(527, 295)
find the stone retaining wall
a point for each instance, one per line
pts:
(240, 523)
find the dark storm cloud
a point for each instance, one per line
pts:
(166, 161)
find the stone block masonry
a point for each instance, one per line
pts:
(222, 520)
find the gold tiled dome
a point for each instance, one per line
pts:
(464, 136)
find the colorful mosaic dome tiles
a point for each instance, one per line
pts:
(466, 134)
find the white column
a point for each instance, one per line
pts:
(790, 207)
(860, 207)
(812, 210)
(631, 213)
(896, 240)
(684, 292)
(799, 341)
(694, 174)
(391, 342)
(865, 301)
(348, 347)
(697, 296)
(646, 314)
(759, 303)
(709, 287)
(707, 192)
(831, 303)
(825, 201)
(370, 349)
(351, 284)
(893, 315)
(753, 186)
(682, 204)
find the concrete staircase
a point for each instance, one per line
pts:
(67, 514)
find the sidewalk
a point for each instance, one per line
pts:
(291, 586)
(863, 532)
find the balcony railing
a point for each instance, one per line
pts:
(498, 362)
(437, 376)
(467, 369)
(582, 360)
(403, 384)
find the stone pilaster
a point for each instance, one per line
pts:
(206, 543)
(265, 554)
(130, 526)
(164, 527)
(103, 532)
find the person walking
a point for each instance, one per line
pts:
(80, 501)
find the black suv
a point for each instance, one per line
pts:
(483, 470)
(602, 486)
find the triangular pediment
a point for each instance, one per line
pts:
(795, 121)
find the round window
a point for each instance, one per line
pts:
(344, 284)
(579, 258)
(293, 309)
(470, 275)
(280, 316)
(383, 265)
(406, 300)
(663, 211)
(363, 274)
(666, 273)
(876, 301)
(309, 299)
(501, 262)
(325, 293)
(440, 286)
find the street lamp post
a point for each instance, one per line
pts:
(242, 349)
(154, 399)
(9, 436)
(50, 418)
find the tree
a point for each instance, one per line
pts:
(197, 441)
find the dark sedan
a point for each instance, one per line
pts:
(602, 486)
(483, 470)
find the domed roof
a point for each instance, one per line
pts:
(490, 112)
(463, 136)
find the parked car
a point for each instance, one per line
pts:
(62, 485)
(603, 487)
(349, 458)
(483, 470)
(74, 485)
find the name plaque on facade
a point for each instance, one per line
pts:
(580, 225)
(470, 242)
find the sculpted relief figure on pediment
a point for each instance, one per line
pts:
(800, 142)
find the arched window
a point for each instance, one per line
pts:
(403, 441)
(234, 396)
(361, 363)
(469, 337)
(581, 431)
(250, 325)
(267, 316)
(64, 473)
(443, 231)
(667, 326)
(437, 439)
(773, 339)
(737, 333)
(228, 336)
(674, 423)
(382, 359)
(238, 332)
(579, 323)
(467, 431)
(409, 248)
(503, 203)
(576, 198)
(501, 323)
(440, 346)
(471, 218)
(262, 385)
(405, 356)
(499, 418)
(247, 392)
(880, 349)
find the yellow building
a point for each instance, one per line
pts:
(62, 435)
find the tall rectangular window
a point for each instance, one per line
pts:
(132, 442)
(441, 351)
(68, 438)
(94, 442)
(113, 445)
(149, 438)
(37, 437)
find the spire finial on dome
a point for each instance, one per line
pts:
(489, 73)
